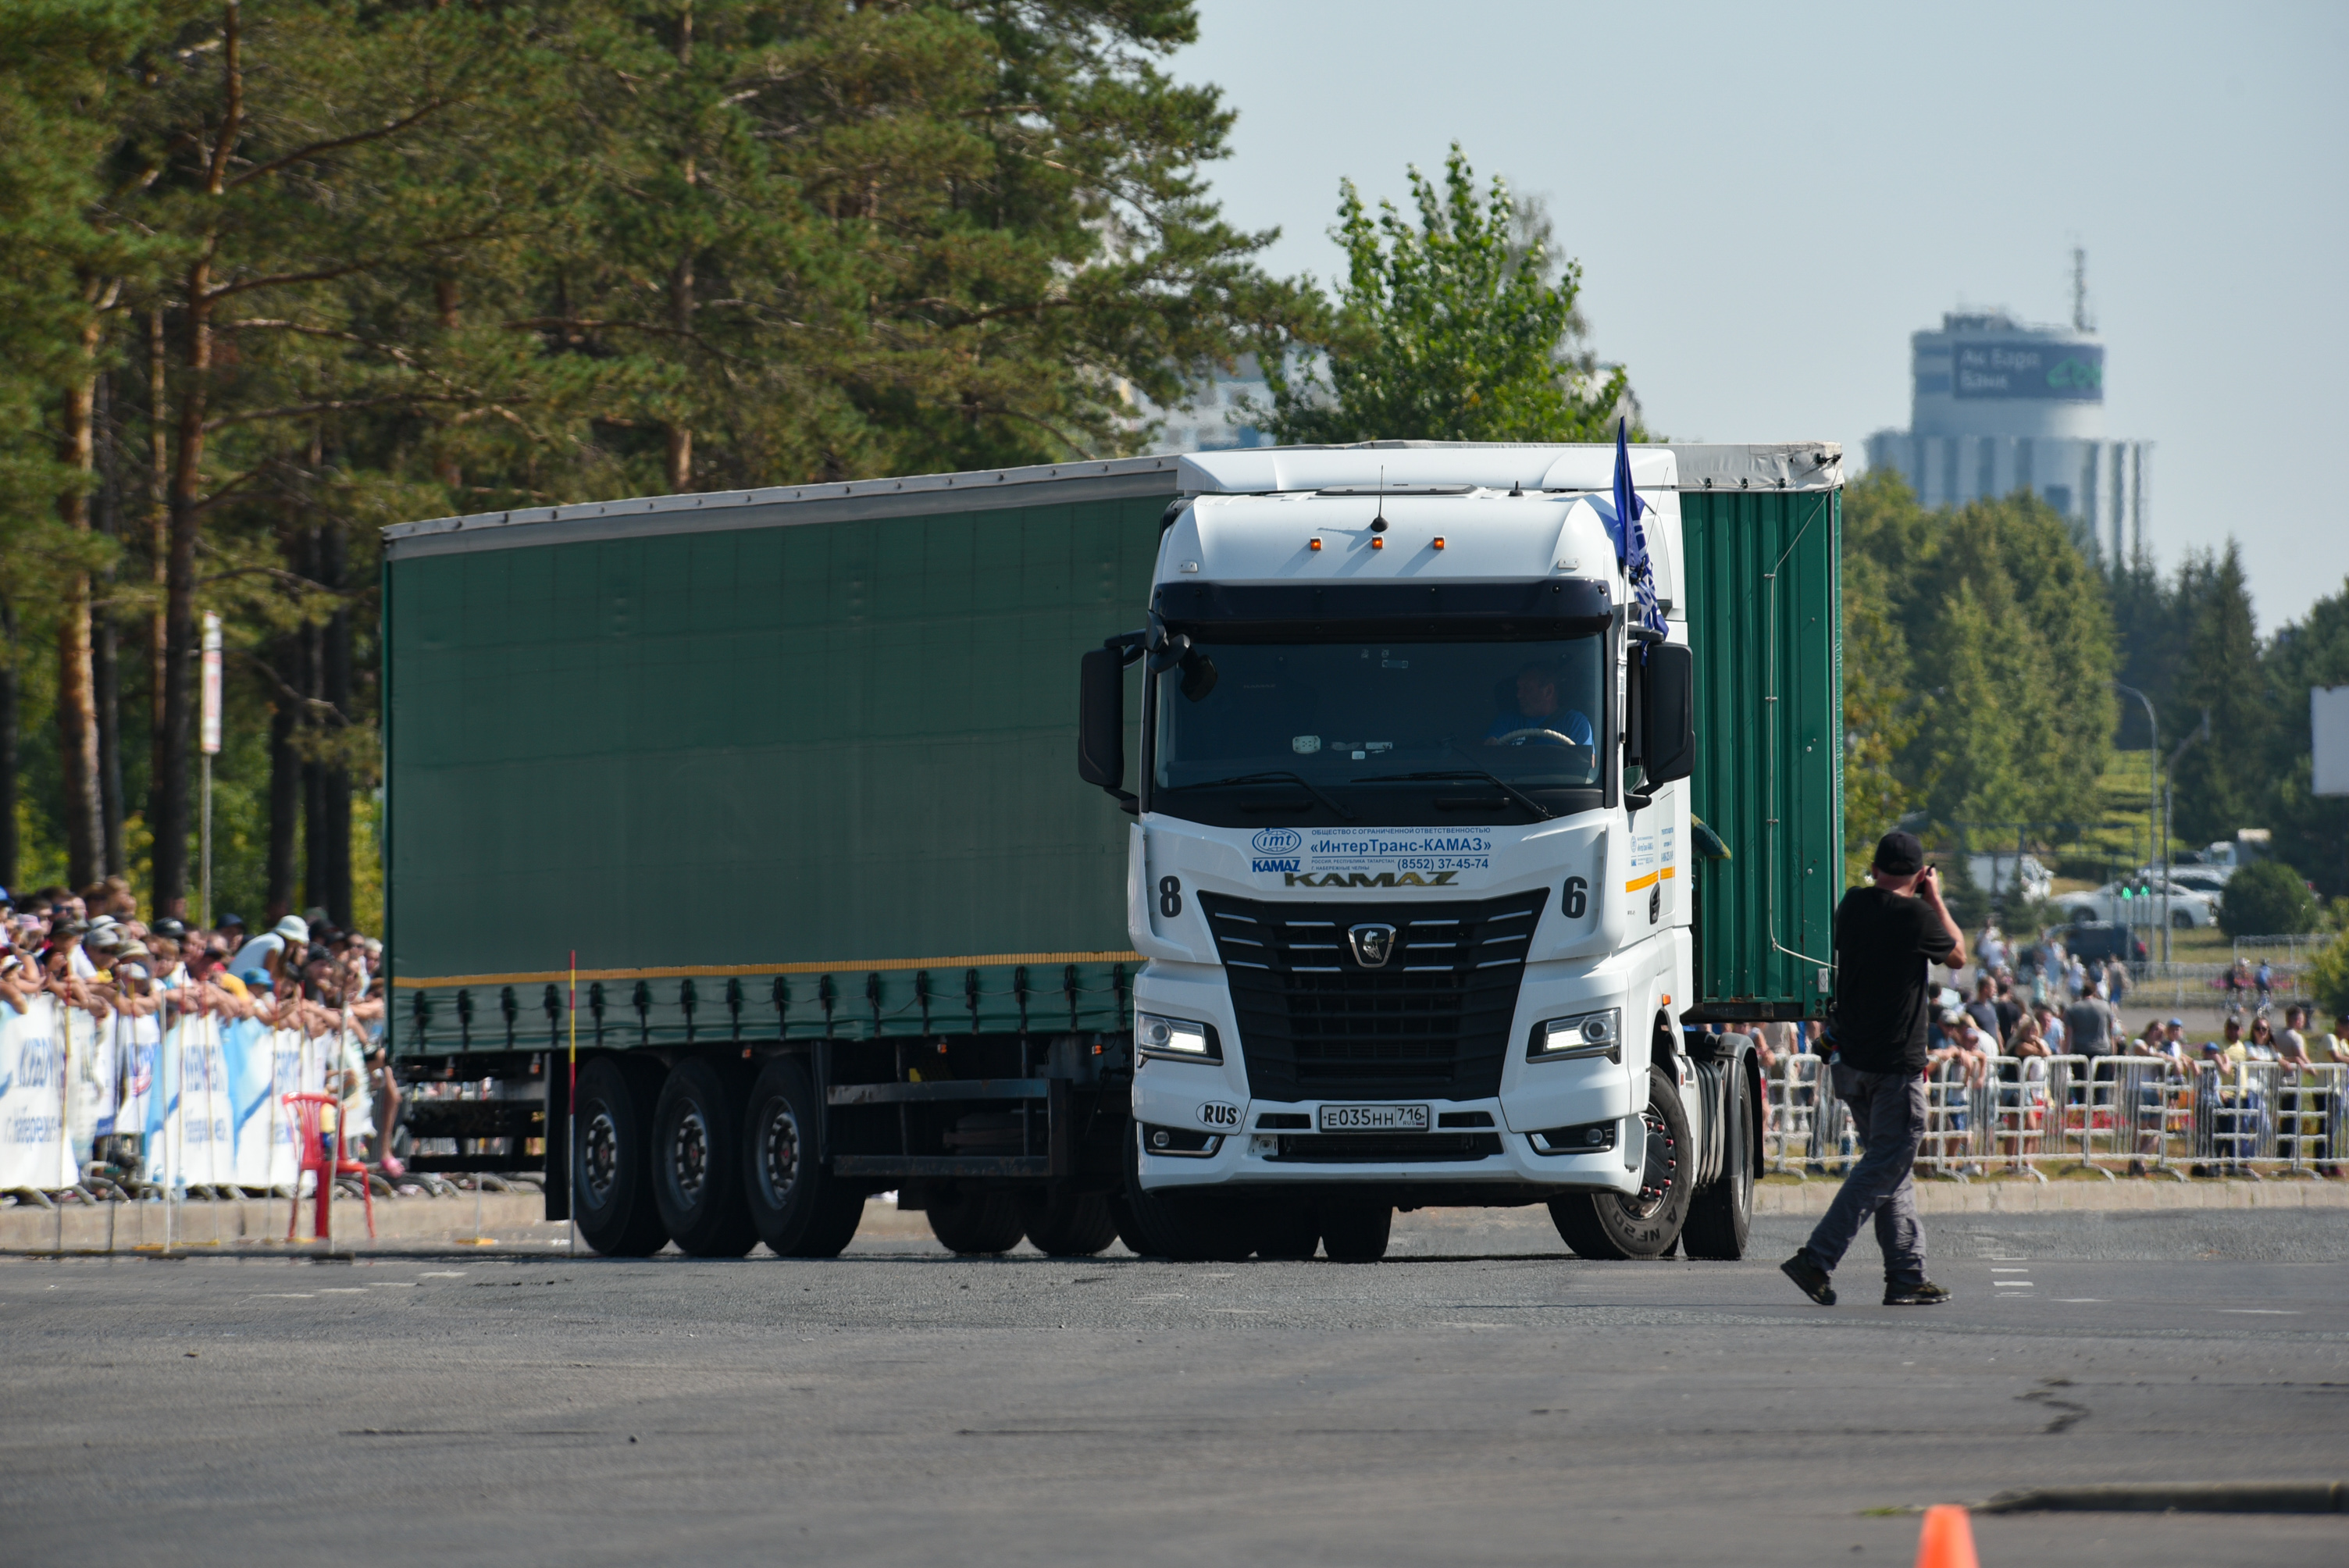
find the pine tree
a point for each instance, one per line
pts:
(2218, 783)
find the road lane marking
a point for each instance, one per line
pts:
(2255, 1311)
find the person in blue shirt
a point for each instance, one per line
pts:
(1537, 707)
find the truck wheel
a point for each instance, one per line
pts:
(1289, 1231)
(1065, 1225)
(1355, 1233)
(975, 1221)
(1609, 1225)
(612, 1179)
(1721, 1218)
(799, 1208)
(1181, 1227)
(697, 1161)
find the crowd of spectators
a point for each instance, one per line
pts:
(93, 953)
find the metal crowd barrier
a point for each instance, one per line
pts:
(2033, 1117)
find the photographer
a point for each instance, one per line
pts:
(1886, 936)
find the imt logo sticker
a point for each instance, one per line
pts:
(1278, 842)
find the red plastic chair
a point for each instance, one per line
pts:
(310, 1111)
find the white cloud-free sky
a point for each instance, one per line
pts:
(1767, 199)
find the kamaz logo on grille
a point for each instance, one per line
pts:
(1373, 945)
(1367, 879)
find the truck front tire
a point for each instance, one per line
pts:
(1721, 1219)
(697, 1161)
(1183, 1227)
(1353, 1232)
(1645, 1225)
(799, 1208)
(612, 1189)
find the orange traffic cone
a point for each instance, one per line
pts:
(1948, 1541)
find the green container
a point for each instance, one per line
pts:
(1764, 623)
(767, 763)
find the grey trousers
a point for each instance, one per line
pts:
(1888, 1113)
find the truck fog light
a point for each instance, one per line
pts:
(1589, 1137)
(1583, 1035)
(1180, 1141)
(1178, 1039)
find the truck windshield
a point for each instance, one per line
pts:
(1385, 733)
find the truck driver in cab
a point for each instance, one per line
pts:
(1539, 718)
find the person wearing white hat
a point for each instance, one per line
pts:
(275, 951)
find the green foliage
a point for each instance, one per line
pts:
(2328, 979)
(1451, 328)
(445, 259)
(2310, 832)
(2220, 783)
(2000, 628)
(2267, 898)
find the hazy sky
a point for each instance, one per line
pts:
(1767, 199)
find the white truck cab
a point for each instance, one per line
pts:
(1409, 863)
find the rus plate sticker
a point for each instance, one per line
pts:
(1370, 857)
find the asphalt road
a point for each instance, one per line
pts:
(1485, 1401)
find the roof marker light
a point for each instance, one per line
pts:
(1439, 542)
(1313, 544)
(1378, 541)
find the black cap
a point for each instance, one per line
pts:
(1899, 854)
(171, 927)
(228, 920)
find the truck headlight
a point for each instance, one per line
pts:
(1176, 1040)
(1583, 1035)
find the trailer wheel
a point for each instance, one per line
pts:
(1129, 1229)
(1721, 1218)
(1354, 1231)
(1183, 1227)
(697, 1161)
(1609, 1225)
(799, 1208)
(612, 1175)
(975, 1222)
(1065, 1224)
(1289, 1231)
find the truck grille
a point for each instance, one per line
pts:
(1434, 1020)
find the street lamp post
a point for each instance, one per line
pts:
(2156, 821)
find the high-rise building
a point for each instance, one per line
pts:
(1998, 407)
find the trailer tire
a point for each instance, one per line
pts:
(697, 1161)
(1129, 1229)
(1354, 1231)
(1289, 1231)
(1721, 1218)
(612, 1176)
(1065, 1224)
(798, 1207)
(1181, 1227)
(1608, 1225)
(975, 1222)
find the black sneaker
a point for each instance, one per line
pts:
(1811, 1279)
(1924, 1293)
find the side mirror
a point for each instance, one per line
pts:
(1668, 713)
(1101, 722)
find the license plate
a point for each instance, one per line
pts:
(1373, 1118)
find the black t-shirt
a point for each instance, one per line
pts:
(1882, 943)
(2010, 1013)
(1985, 1013)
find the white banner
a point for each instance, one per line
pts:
(206, 1100)
(33, 1148)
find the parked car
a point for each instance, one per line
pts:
(2188, 909)
(2094, 944)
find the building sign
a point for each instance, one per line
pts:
(2028, 367)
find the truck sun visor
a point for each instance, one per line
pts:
(1455, 611)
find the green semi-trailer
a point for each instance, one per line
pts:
(791, 771)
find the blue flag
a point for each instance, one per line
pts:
(1631, 539)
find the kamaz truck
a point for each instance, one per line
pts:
(1432, 830)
